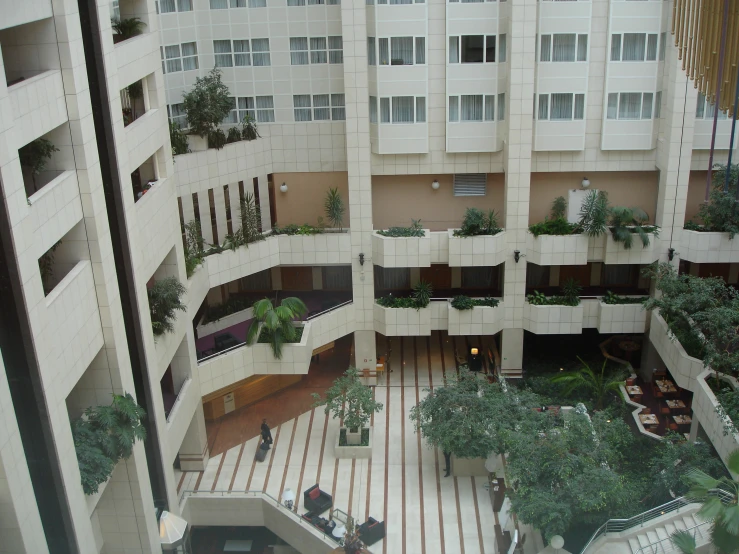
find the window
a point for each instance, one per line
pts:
(384, 110)
(501, 106)
(373, 109)
(453, 108)
(561, 106)
(299, 50)
(384, 51)
(295, 3)
(325, 107)
(490, 107)
(420, 50)
(301, 105)
(630, 105)
(265, 109)
(242, 4)
(115, 9)
(658, 104)
(222, 50)
(257, 3)
(318, 50)
(177, 114)
(472, 49)
(321, 107)
(472, 108)
(338, 107)
(399, 109)
(371, 52)
(420, 109)
(232, 116)
(579, 106)
(563, 48)
(401, 51)
(662, 46)
(335, 50)
(260, 52)
(242, 56)
(245, 107)
(634, 47)
(178, 57)
(218, 4)
(502, 48)
(706, 110)
(169, 6)
(398, 50)
(403, 108)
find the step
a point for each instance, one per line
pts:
(653, 540)
(662, 533)
(689, 521)
(634, 545)
(670, 528)
(679, 524)
(644, 543)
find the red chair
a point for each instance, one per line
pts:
(664, 410)
(673, 426)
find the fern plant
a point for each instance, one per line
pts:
(627, 222)
(334, 207)
(164, 302)
(477, 222)
(594, 213)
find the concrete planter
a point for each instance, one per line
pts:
(325, 248)
(295, 357)
(484, 250)
(402, 251)
(701, 248)
(685, 369)
(704, 408)
(553, 320)
(225, 322)
(354, 451)
(468, 467)
(197, 143)
(402, 322)
(480, 320)
(439, 247)
(615, 253)
(245, 260)
(557, 249)
(621, 318)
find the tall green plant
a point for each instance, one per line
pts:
(334, 207)
(207, 104)
(559, 208)
(35, 155)
(128, 28)
(721, 212)
(422, 293)
(594, 213)
(249, 128)
(478, 222)
(164, 302)
(251, 220)
(349, 400)
(276, 324)
(194, 253)
(178, 139)
(597, 385)
(627, 222)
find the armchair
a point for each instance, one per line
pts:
(316, 501)
(371, 531)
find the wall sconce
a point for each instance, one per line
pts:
(671, 253)
(474, 351)
(361, 258)
(283, 187)
(585, 182)
(517, 255)
(288, 498)
(435, 185)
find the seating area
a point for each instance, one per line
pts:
(667, 406)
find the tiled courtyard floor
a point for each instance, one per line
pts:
(403, 482)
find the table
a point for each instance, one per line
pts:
(634, 390)
(682, 419)
(666, 387)
(237, 546)
(648, 419)
(675, 404)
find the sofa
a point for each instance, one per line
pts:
(371, 531)
(316, 501)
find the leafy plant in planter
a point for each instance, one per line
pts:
(415, 230)
(334, 207)
(46, 267)
(598, 386)
(721, 212)
(249, 128)
(466, 303)
(234, 135)
(194, 254)
(477, 222)
(351, 401)
(251, 220)
(178, 139)
(627, 222)
(217, 139)
(35, 155)
(164, 301)
(293, 229)
(570, 296)
(615, 299)
(135, 92)
(207, 105)
(127, 28)
(594, 213)
(422, 292)
(276, 323)
(557, 223)
(103, 436)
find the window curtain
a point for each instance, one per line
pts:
(395, 277)
(189, 56)
(630, 105)
(454, 108)
(371, 52)
(646, 107)
(473, 47)
(218, 4)
(619, 274)
(296, 2)
(490, 107)
(257, 282)
(222, 49)
(384, 52)
(321, 107)
(301, 103)
(315, 2)
(545, 53)
(299, 50)
(582, 48)
(172, 53)
(318, 50)
(184, 5)
(401, 50)
(257, 3)
(403, 108)
(543, 107)
(561, 107)
(420, 109)
(337, 277)
(420, 50)
(373, 109)
(265, 109)
(502, 48)
(241, 53)
(471, 107)
(501, 106)
(634, 44)
(396, 2)
(238, 3)
(246, 107)
(615, 48)
(335, 50)
(338, 109)
(453, 49)
(260, 52)
(384, 110)
(564, 46)
(651, 47)
(537, 276)
(233, 115)
(178, 115)
(710, 110)
(612, 110)
(165, 6)
(579, 106)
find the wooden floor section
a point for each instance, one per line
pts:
(402, 483)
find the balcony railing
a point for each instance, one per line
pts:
(168, 413)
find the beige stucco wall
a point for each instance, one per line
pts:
(696, 194)
(306, 194)
(396, 199)
(635, 188)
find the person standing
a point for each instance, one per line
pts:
(266, 434)
(448, 460)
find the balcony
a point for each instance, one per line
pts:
(480, 320)
(56, 207)
(621, 318)
(553, 320)
(699, 247)
(483, 250)
(145, 136)
(137, 57)
(685, 369)
(320, 249)
(34, 97)
(402, 322)
(401, 251)
(557, 250)
(615, 253)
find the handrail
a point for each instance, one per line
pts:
(652, 548)
(178, 399)
(312, 317)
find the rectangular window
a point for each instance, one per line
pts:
(634, 45)
(301, 105)
(629, 105)
(189, 56)
(564, 47)
(291, 3)
(321, 107)
(184, 5)
(490, 106)
(172, 57)
(401, 50)
(651, 48)
(501, 106)
(384, 110)
(579, 106)
(615, 48)
(403, 109)
(257, 3)
(658, 104)
(242, 53)
(543, 114)
(316, 2)
(470, 184)
(298, 50)
(545, 50)
(562, 105)
(338, 107)
(260, 52)
(238, 3)
(371, 52)
(318, 50)
(453, 49)
(177, 114)
(246, 108)
(232, 116)
(165, 6)
(453, 108)
(384, 51)
(373, 109)
(700, 108)
(502, 48)
(265, 109)
(335, 49)
(473, 48)
(420, 50)
(490, 49)
(420, 109)
(582, 48)
(612, 112)
(646, 107)
(218, 4)
(662, 46)
(471, 107)
(222, 50)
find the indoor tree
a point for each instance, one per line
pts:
(627, 222)
(594, 213)
(207, 104)
(178, 138)
(334, 207)
(128, 28)
(274, 325)
(721, 212)
(164, 300)
(599, 386)
(34, 156)
(350, 401)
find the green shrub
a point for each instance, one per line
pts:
(334, 208)
(415, 230)
(422, 293)
(539, 299)
(476, 222)
(234, 135)
(164, 301)
(627, 222)
(128, 28)
(178, 139)
(467, 303)
(558, 227)
(721, 212)
(293, 229)
(249, 129)
(217, 139)
(612, 298)
(420, 298)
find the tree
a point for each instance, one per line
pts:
(720, 503)
(721, 212)
(275, 325)
(334, 207)
(598, 386)
(164, 301)
(207, 104)
(178, 139)
(34, 156)
(349, 400)
(251, 220)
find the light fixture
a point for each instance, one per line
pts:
(585, 182)
(474, 351)
(671, 253)
(517, 255)
(361, 258)
(283, 187)
(172, 531)
(288, 498)
(435, 185)
(557, 542)
(339, 531)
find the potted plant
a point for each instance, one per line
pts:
(249, 128)
(34, 155)
(274, 326)
(334, 206)
(207, 104)
(126, 28)
(478, 242)
(402, 246)
(556, 241)
(164, 300)
(350, 401)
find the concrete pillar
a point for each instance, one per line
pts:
(263, 187)
(595, 274)
(733, 273)
(317, 278)
(364, 350)
(205, 225)
(456, 277)
(194, 452)
(554, 276)
(694, 429)
(511, 348)
(416, 276)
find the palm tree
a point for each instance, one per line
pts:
(720, 499)
(627, 222)
(685, 541)
(598, 385)
(276, 324)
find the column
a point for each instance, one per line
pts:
(194, 449)
(264, 200)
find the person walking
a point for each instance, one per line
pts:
(448, 460)
(266, 434)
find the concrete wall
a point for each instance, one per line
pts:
(696, 194)
(304, 200)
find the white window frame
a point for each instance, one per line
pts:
(261, 55)
(179, 59)
(386, 102)
(658, 51)
(581, 43)
(323, 107)
(389, 62)
(706, 111)
(644, 96)
(180, 117)
(543, 105)
(458, 39)
(488, 108)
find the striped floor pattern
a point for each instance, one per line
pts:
(402, 483)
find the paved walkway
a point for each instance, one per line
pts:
(402, 483)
